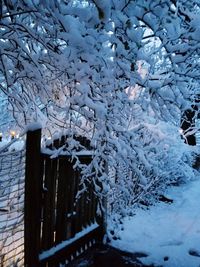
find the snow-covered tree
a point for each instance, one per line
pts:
(119, 72)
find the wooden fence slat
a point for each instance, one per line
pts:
(86, 207)
(83, 199)
(71, 207)
(94, 206)
(64, 171)
(90, 221)
(78, 227)
(32, 204)
(49, 203)
(75, 203)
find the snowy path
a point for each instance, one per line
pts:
(168, 233)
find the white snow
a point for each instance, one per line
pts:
(166, 230)
(60, 152)
(52, 251)
(7, 145)
(33, 126)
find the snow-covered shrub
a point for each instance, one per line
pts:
(163, 160)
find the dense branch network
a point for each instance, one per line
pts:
(119, 72)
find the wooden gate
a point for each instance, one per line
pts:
(58, 226)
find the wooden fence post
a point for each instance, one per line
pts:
(32, 207)
(102, 220)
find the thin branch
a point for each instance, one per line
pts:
(18, 13)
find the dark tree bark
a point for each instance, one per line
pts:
(188, 123)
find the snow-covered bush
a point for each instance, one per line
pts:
(164, 160)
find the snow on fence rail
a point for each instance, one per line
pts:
(12, 172)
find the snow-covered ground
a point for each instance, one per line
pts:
(168, 233)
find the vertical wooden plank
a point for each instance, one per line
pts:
(78, 205)
(63, 140)
(87, 205)
(84, 202)
(62, 200)
(87, 212)
(71, 207)
(104, 212)
(77, 218)
(49, 203)
(94, 205)
(83, 211)
(90, 204)
(32, 205)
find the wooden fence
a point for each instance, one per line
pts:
(58, 226)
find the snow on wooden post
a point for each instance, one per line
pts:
(33, 190)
